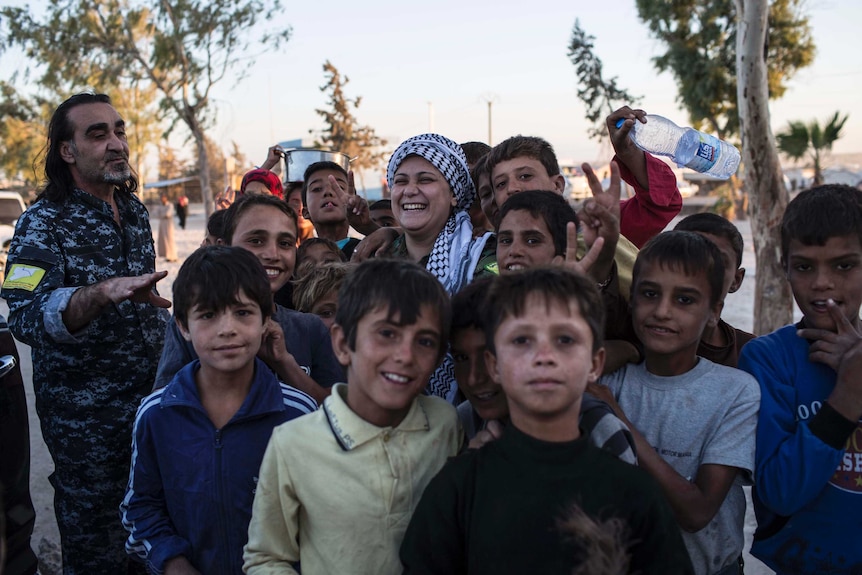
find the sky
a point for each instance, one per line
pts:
(433, 66)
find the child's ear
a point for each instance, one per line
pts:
(559, 183)
(737, 280)
(598, 365)
(339, 344)
(184, 331)
(491, 365)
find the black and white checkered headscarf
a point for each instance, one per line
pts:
(449, 260)
(455, 253)
(447, 156)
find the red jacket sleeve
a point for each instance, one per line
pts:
(649, 211)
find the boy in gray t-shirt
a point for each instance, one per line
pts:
(693, 421)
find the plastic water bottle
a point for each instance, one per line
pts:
(686, 146)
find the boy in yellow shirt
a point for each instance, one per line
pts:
(337, 489)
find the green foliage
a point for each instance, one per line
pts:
(600, 96)
(700, 41)
(800, 138)
(180, 47)
(23, 126)
(343, 132)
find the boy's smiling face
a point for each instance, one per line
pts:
(544, 360)
(819, 273)
(270, 234)
(225, 340)
(670, 310)
(521, 174)
(523, 241)
(390, 365)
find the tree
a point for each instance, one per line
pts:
(343, 132)
(801, 138)
(136, 104)
(23, 125)
(171, 165)
(763, 177)
(700, 41)
(600, 96)
(182, 47)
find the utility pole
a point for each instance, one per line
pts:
(430, 116)
(490, 99)
(490, 105)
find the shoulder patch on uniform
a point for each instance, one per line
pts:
(493, 268)
(23, 276)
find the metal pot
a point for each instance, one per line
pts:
(297, 160)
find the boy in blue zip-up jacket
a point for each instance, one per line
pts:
(199, 441)
(808, 491)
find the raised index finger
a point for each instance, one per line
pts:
(842, 323)
(336, 186)
(592, 255)
(592, 179)
(351, 183)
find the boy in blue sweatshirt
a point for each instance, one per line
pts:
(198, 442)
(808, 495)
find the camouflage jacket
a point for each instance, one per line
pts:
(59, 248)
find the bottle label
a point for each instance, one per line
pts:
(707, 153)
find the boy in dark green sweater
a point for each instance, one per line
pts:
(506, 508)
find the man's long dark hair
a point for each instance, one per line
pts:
(59, 179)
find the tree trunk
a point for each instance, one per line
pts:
(818, 170)
(763, 176)
(203, 169)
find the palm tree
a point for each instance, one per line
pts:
(800, 138)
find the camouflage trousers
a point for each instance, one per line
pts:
(91, 449)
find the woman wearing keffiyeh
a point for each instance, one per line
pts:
(431, 194)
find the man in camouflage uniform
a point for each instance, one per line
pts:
(81, 292)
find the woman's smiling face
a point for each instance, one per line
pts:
(422, 199)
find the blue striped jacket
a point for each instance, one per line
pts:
(191, 486)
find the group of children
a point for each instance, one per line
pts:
(604, 426)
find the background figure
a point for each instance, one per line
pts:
(167, 248)
(182, 210)
(293, 197)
